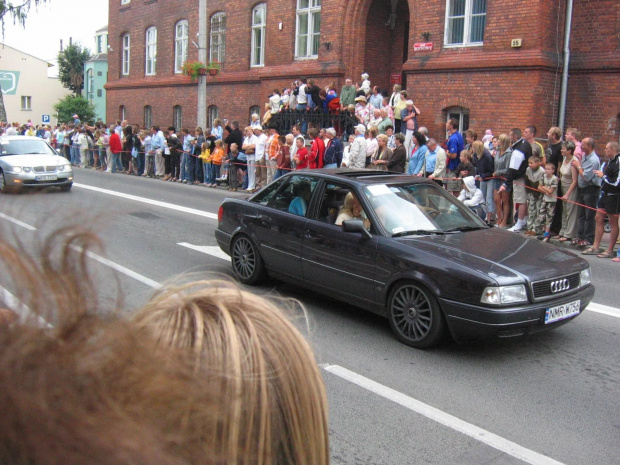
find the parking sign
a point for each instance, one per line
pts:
(45, 118)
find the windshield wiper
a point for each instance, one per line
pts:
(34, 153)
(418, 232)
(466, 228)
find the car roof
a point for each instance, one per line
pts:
(9, 138)
(363, 176)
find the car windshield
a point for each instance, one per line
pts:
(420, 208)
(25, 147)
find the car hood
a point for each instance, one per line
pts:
(33, 160)
(502, 255)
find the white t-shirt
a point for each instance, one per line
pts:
(301, 97)
(260, 146)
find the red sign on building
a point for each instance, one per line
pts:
(395, 79)
(422, 46)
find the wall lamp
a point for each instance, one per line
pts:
(327, 45)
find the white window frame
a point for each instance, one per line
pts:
(148, 116)
(257, 57)
(213, 113)
(125, 2)
(217, 37)
(177, 117)
(181, 36)
(122, 113)
(467, 16)
(26, 103)
(90, 84)
(126, 55)
(313, 7)
(461, 111)
(150, 51)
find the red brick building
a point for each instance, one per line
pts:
(474, 70)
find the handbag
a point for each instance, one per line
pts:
(134, 152)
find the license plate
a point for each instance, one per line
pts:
(562, 312)
(46, 177)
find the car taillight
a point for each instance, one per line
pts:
(220, 214)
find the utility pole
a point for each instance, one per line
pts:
(202, 57)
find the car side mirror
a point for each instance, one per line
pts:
(356, 226)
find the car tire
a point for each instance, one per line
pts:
(414, 315)
(607, 227)
(3, 187)
(247, 263)
(66, 187)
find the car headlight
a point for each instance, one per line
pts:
(585, 277)
(504, 295)
(15, 169)
(64, 167)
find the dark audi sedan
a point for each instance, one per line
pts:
(404, 248)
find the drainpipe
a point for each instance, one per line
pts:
(201, 116)
(564, 89)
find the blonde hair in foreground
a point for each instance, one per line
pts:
(89, 387)
(275, 411)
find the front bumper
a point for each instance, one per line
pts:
(469, 322)
(25, 180)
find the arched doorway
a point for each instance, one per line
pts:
(387, 41)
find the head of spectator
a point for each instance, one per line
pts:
(376, 113)
(217, 123)
(296, 130)
(477, 147)
(399, 139)
(276, 407)
(389, 130)
(255, 117)
(529, 133)
(515, 135)
(465, 156)
(360, 130)
(397, 88)
(289, 139)
(424, 131)
(330, 133)
(573, 135)
(504, 143)
(568, 149)
(272, 129)
(588, 145)
(471, 136)
(383, 113)
(234, 124)
(409, 104)
(403, 95)
(372, 132)
(313, 133)
(452, 126)
(361, 100)
(382, 140)
(348, 82)
(488, 136)
(258, 130)
(420, 139)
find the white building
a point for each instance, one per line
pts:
(28, 92)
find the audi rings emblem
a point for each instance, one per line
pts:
(560, 285)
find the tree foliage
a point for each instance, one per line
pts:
(71, 67)
(75, 105)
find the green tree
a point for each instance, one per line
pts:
(75, 105)
(71, 67)
(18, 12)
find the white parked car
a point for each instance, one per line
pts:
(27, 162)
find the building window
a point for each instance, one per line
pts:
(90, 85)
(99, 44)
(151, 51)
(254, 110)
(217, 38)
(121, 113)
(465, 21)
(125, 57)
(148, 116)
(26, 102)
(308, 28)
(99, 93)
(461, 115)
(125, 2)
(212, 114)
(259, 14)
(177, 117)
(180, 45)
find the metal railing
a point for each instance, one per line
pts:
(342, 121)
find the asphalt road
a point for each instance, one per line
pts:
(547, 399)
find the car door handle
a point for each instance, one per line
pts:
(313, 236)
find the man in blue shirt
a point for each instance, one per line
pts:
(157, 148)
(455, 146)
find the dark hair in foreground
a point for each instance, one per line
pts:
(205, 373)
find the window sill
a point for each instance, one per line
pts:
(315, 57)
(26, 109)
(475, 44)
(257, 66)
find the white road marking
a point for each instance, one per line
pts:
(473, 431)
(120, 268)
(604, 309)
(17, 222)
(157, 203)
(18, 307)
(215, 251)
